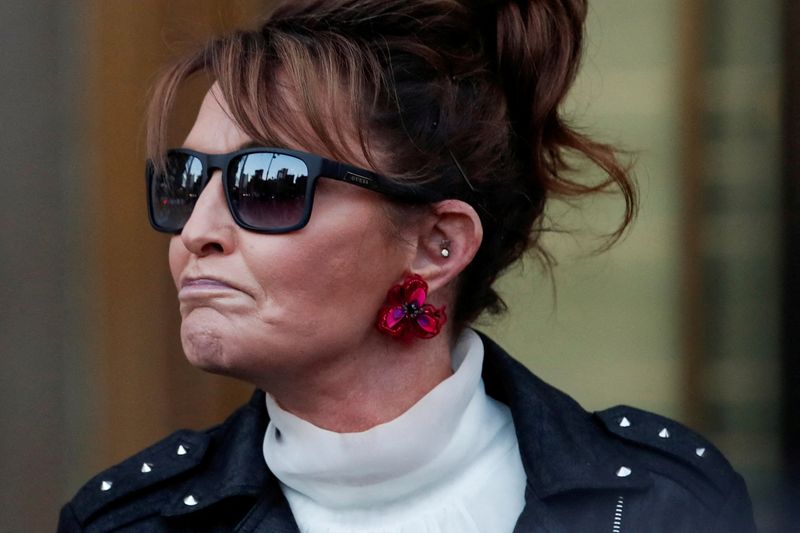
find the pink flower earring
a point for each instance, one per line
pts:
(405, 314)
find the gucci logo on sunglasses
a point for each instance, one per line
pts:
(268, 190)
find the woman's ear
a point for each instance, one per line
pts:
(447, 243)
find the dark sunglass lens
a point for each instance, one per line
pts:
(268, 190)
(174, 192)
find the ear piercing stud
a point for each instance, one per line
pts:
(445, 248)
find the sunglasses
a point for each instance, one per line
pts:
(269, 190)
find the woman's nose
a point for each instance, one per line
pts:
(211, 228)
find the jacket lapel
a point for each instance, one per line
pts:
(561, 446)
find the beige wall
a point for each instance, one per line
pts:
(612, 332)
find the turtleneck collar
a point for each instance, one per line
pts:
(433, 439)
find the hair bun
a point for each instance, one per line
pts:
(535, 49)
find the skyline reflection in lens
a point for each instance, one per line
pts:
(174, 193)
(268, 190)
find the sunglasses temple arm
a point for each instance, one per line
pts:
(350, 174)
(376, 182)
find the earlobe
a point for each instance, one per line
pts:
(448, 243)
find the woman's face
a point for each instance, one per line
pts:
(255, 305)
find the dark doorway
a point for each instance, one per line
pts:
(791, 273)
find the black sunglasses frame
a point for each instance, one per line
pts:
(318, 167)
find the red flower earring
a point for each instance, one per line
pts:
(405, 314)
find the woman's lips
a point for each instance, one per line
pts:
(205, 282)
(204, 285)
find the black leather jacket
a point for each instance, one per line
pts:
(619, 470)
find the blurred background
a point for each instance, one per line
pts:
(695, 315)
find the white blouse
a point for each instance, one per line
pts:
(450, 464)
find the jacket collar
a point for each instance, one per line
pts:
(562, 447)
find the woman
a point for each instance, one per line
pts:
(359, 174)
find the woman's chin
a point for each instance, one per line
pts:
(204, 347)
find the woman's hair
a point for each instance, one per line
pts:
(463, 96)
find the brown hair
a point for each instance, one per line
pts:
(464, 95)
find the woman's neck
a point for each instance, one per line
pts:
(373, 384)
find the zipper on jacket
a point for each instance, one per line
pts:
(618, 515)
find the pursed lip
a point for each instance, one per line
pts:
(206, 283)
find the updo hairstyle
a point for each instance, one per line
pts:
(460, 96)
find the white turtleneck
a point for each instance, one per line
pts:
(450, 464)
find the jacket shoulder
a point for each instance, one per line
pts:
(151, 473)
(669, 449)
(177, 478)
(680, 461)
